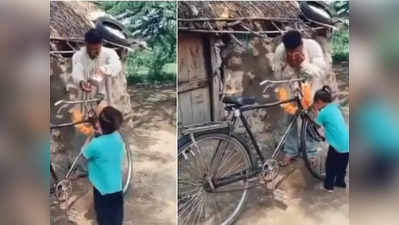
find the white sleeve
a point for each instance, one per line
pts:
(113, 64)
(77, 68)
(315, 66)
(278, 62)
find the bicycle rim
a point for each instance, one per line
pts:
(127, 168)
(214, 155)
(314, 161)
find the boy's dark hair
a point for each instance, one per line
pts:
(323, 95)
(93, 36)
(110, 120)
(292, 39)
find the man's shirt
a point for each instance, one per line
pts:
(84, 68)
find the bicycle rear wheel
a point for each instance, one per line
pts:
(214, 155)
(314, 151)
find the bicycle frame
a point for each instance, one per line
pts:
(253, 172)
(265, 106)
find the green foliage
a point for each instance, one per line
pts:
(154, 23)
(342, 8)
(340, 38)
(340, 45)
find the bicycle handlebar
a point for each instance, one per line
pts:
(281, 81)
(63, 125)
(98, 99)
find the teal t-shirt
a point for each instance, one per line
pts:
(105, 155)
(337, 133)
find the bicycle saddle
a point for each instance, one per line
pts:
(239, 101)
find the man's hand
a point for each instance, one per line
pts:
(85, 86)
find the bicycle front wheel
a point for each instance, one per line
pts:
(127, 168)
(213, 156)
(314, 151)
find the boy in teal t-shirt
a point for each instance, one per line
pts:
(337, 135)
(104, 155)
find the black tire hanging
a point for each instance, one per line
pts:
(103, 24)
(310, 14)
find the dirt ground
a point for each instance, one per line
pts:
(153, 197)
(151, 133)
(300, 199)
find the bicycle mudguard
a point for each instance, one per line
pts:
(200, 128)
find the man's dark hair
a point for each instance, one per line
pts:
(323, 95)
(93, 36)
(292, 39)
(110, 120)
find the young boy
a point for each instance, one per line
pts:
(337, 135)
(105, 155)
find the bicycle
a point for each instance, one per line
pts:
(217, 167)
(62, 185)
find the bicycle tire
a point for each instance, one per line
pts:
(126, 185)
(318, 173)
(185, 143)
(103, 24)
(309, 13)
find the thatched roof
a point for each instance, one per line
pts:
(214, 9)
(69, 20)
(245, 17)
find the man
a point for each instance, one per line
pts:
(297, 57)
(95, 65)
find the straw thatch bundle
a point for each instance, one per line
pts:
(214, 9)
(67, 19)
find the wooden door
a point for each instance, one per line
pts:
(194, 86)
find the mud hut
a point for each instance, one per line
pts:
(225, 48)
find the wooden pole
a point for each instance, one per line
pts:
(236, 31)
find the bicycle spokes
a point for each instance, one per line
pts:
(202, 163)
